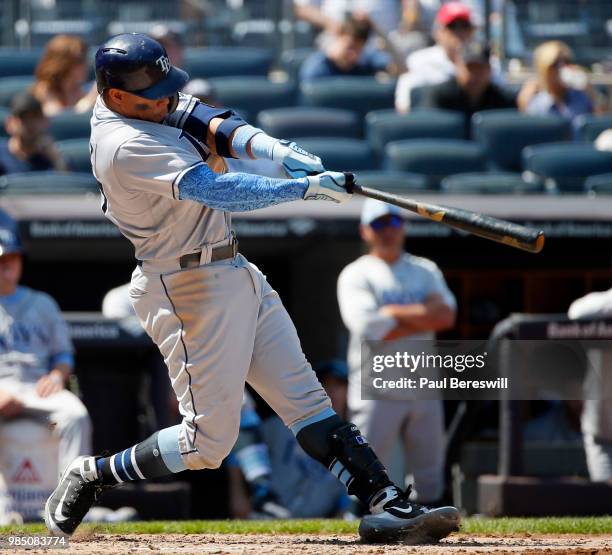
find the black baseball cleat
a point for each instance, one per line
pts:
(77, 491)
(394, 519)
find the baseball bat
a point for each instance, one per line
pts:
(495, 229)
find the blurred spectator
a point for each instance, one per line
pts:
(61, 75)
(471, 89)
(559, 88)
(36, 356)
(29, 147)
(328, 15)
(596, 421)
(346, 55)
(333, 375)
(384, 295)
(172, 42)
(604, 141)
(453, 28)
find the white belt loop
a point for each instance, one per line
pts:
(206, 254)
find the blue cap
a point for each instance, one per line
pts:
(374, 209)
(9, 237)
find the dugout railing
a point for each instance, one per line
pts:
(511, 491)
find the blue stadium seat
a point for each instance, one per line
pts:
(221, 61)
(418, 95)
(251, 95)
(10, 86)
(48, 183)
(395, 182)
(599, 184)
(566, 164)
(359, 94)
(384, 126)
(504, 133)
(435, 158)
(18, 61)
(340, 154)
(590, 126)
(306, 121)
(291, 60)
(76, 154)
(70, 125)
(258, 33)
(501, 183)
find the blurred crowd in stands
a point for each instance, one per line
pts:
(391, 87)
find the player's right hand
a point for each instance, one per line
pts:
(332, 186)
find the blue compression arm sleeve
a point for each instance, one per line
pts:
(238, 192)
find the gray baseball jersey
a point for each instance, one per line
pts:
(369, 283)
(364, 286)
(33, 336)
(217, 325)
(139, 165)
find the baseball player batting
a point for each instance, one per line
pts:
(216, 320)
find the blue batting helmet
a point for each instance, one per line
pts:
(9, 238)
(138, 64)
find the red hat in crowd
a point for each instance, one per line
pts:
(452, 11)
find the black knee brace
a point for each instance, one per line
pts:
(346, 453)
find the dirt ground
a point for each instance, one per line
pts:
(264, 544)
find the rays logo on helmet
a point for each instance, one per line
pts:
(164, 63)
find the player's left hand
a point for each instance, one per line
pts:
(50, 383)
(334, 186)
(295, 160)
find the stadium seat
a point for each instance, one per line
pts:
(566, 164)
(76, 154)
(306, 121)
(340, 154)
(590, 127)
(18, 61)
(435, 158)
(291, 60)
(70, 125)
(504, 133)
(395, 182)
(359, 94)
(501, 183)
(45, 183)
(251, 95)
(220, 61)
(258, 33)
(418, 95)
(10, 86)
(384, 126)
(599, 184)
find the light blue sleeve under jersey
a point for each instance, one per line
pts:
(238, 192)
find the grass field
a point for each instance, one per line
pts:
(550, 536)
(550, 525)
